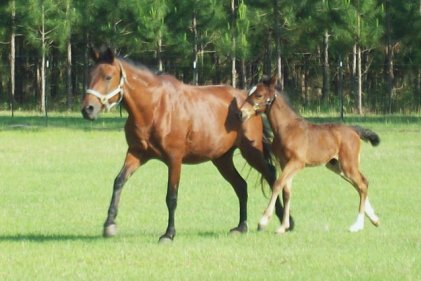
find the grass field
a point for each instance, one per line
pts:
(56, 182)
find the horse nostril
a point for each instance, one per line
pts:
(89, 109)
(88, 112)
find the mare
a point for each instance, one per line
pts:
(298, 143)
(176, 123)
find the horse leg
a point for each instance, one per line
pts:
(131, 163)
(290, 169)
(255, 158)
(174, 171)
(286, 197)
(360, 183)
(225, 166)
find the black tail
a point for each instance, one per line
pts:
(268, 155)
(367, 135)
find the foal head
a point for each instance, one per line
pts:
(261, 97)
(106, 82)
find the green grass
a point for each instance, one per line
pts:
(56, 182)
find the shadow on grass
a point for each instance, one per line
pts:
(48, 237)
(36, 123)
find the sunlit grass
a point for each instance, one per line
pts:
(56, 182)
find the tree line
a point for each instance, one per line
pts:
(362, 54)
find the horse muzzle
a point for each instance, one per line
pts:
(245, 113)
(90, 111)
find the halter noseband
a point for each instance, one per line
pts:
(104, 99)
(257, 105)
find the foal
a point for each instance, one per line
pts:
(298, 143)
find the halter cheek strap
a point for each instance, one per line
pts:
(105, 99)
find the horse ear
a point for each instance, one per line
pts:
(108, 55)
(94, 54)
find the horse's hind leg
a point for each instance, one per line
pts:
(351, 173)
(131, 163)
(225, 166)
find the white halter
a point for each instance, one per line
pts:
(104, 99)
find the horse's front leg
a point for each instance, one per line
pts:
(174, 170)
(131, 163)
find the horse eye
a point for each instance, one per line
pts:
(108, 78)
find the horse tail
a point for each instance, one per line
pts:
(268, 154)
(367, 135)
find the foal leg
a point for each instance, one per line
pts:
(225, 166)
(290, 169)
(174, 171)
(131, 163)
(255, 158)
(286, 197)
(360, 183)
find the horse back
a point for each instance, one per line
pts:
(198, 123)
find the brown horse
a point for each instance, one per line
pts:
(176, 123)
(298, 143)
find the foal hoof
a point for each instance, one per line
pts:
(110, 231)
(356, 228)
(281, 230)
(260, 227)
(262, 224)
(376, 223)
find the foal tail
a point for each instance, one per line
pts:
(367, 135)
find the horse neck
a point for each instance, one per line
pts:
(280, 114)
(138, 100)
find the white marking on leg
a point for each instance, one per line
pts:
(369, 211)
(264, 220)
(358, 225)
(281, 230)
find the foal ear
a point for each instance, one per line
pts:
(273, 81)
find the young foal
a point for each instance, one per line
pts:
(298, 143)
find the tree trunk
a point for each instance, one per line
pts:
(267, 66)
(12, 58)
(195, 50)
(418, 88)
(354, 72)
(69, 76)
(43, 66)
(243, 76)
(359, 82)
(326, 71)
(278, 43)
(159, 53)
(234, 8)
(389, 57)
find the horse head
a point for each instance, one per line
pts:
(260, 97)
(106, 84)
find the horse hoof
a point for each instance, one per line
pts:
(165, 240)
(376, 223)
(281, 230)
(242, 228)
(260, 227)
(110, 231)
(356, 228)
